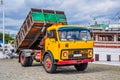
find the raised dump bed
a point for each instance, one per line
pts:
(33, 29)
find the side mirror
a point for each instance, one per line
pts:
(48, 34)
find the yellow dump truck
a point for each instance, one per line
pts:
(46, 37)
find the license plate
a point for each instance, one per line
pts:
(77, 55)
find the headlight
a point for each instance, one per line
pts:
(64, 54)
(90, 53)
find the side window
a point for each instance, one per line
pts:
(51, 34)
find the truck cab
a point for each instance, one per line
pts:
(67, 45)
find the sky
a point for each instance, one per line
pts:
(80, 12)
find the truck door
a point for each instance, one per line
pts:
(52, 43)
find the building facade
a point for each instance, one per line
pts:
(107, 43)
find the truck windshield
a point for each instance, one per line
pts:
(74, 34)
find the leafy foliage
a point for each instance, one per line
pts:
(7, 37)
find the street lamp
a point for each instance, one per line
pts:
(3, 15)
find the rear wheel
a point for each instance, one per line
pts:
(81, 67)
(26, 61)
(48, 64)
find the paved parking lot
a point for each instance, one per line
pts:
(10, 69)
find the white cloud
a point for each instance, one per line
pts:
(13, 5)
(86, 11)
(12, 22)
(77, 11)
(9, 31)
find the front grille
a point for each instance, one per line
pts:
(71, 57)
(72, 52)
(76, 52)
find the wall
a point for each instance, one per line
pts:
(103, 52)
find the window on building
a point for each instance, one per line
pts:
(118, 37)
(96, 57)
(108, 57)
(110, 38)
(100, 38)
(106, 38)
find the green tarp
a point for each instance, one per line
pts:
(38, 16)
(61, 18)
(48, 17)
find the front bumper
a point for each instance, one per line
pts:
(70, 62)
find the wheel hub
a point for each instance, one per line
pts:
(48, 63)
(22, 59)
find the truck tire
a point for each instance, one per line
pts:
(48, 64)
(25, 61)
(30, 61)
(81, 67)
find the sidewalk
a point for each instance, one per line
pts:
(1, 55)
(107, 63)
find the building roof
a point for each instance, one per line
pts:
(99, 26)
(107, 32)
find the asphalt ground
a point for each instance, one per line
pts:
(10, 69)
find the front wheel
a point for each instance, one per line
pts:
(48, 64)
(81, 67)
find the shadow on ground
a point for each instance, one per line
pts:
(92, 68)
(72, 70)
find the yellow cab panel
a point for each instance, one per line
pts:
(70, 43)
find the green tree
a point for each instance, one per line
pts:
(7, 37)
